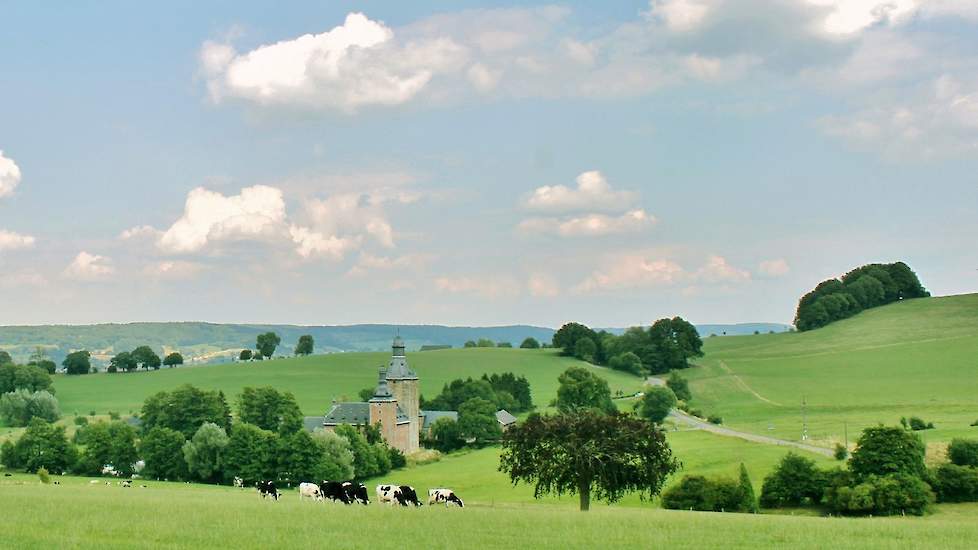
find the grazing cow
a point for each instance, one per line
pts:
(8, 475)
(57, 483)
(446, 496)
(406, 495)
(126, 483)
(267, 489)
(238, 482)
(93, 482)
(309, 490)
(335, 491)
(356, 492)
(388, 494)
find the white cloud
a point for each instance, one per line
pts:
(591, 193)
(172, 269)
(356, 64)
(15, 241)
(679, 15)
(9, 175)
(718, 270)
(542, 285)
(486, 287)
(849, 16)
(311, 243)
(87, 266)
(140, 232)
(590, 225)
(633, 272)
(210, 216)
(774, 268)
(367, 262)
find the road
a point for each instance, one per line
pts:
(682, 418)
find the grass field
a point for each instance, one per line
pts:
(912, 358)
(76, 514)
(318, 379)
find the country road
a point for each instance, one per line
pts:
(683, 418)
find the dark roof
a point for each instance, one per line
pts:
(504, 418)
(348, 413)
(311, 423)
(382, 392)
(398, 368)
(430, 417)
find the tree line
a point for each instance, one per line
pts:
(865, 287)
(666, 345)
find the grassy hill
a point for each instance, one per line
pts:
(318, 379)
(913, 358)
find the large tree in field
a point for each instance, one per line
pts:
(78, 362)
(883, 450)
(146, 357)
(582, 389)
(269, 409)
(266, 343)
(173, 359)
(588, 453)
(185, 409)
(305, 345)
(122, 361)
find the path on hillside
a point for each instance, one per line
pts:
(743, 385)
(683, 418)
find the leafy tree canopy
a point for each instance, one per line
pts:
(77, 362)
(266, 343)
(581, 389)
(305, 345)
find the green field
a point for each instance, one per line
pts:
(912, 358)
(76, 514)
(318, 379)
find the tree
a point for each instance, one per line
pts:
(657, 403)
(266, 343)
(954, 483)
(705, 494)
(146, 357)
(485, 343)
(268, 409)
(305, 345)
(245, 355)
(42, 445)
(585, 349)
(627, 362)
(748, 500)
(369, 460)
(123, 361)
(445, 435)
(963, 452)
(302, 457)
(366, 393)
(504, 344)
(19, 407)
(470, 344)
(107, 443)
(77, 362)
(26, 377)
(581, 389)
(477, 421)
(185, 410)
(795, 481)
(204, 452)
(39, 358)
(162, 451)
(679, 386)
(530, 343)
(251, 454)
(5, 357)
(588, 453)
(567, 336)
(336, 456)
(883, 450)
(173, 359)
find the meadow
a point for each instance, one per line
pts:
(912, 358)
(76, 514)
(318, 379)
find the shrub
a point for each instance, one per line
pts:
(43, 475)
(917, 424)
(657, 403)
(794, 482)
(113, 415)
(530, 343)
(81, 421)
(42, 445)
(19, 407)
(954, 483)
(975, 423)
(679, 386)
(841, 452)
(706, 495)
(963, 452)
(885, 450)
(748, 500)
(504, 344)
(715, 419)
(398, 460)
(886, 495)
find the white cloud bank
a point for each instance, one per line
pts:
(15, 241)
(87, 266)
(210, 216)
(637, 271)
(9, 175)
(592, 192)
(590, 225)
(774, 268)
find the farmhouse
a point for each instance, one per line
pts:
(394, 406)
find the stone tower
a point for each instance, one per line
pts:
(383, 409)
(404, 386)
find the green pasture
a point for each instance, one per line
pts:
(913, 358)
(318, 379)
(76, 514)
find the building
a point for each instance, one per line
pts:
(394, 406)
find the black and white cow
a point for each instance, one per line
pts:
(386, 494)
(126, 483)
(238, 482)
(446, 496)
(309, 490)
(405, 495)
(335, 491)
(356, 492)
(266, 488)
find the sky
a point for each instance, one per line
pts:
(473, 163)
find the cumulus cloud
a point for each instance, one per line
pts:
(367, 263)
(9, 175)
(592, 192)
(311, 243)
(718, 270)
(774, 268)
(486, 287)
(87, 266)
(590, 225)
(679, 15)
(638, 271)
(140, 232)
(15, 241)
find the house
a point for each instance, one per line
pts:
(505, 419)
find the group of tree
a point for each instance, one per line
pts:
(78, 362)
(144, 357)
(862, 288)
(25, 394)
(189, 434)
(504, 391)
(266, 344)
(721, 494)
(486, 343)
(667, 345)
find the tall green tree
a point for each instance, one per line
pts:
(446, 436)
(123, 361)
(173, 359)
(530, 343)
(749, 501)
(19, 407)
(204, 452)
(107, 443)
(42, 445)
(162, 451)
(266, 343)
(588, 453)
(77, 362)
(305, 345)
(883, 450)
(336, 458)
(251, 454)
(477, 421)
(269, 409)
(24, 377)
(5, 357)
(185, 409)
(146, 357)
(581, 389)
(679, 386)
(657, 403)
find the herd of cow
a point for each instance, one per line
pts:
(349, 492)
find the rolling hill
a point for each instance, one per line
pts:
(912, 358)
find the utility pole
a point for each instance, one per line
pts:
(845, 431)
(804, 421)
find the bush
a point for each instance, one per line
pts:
(19, 407)
(81, 421)
(917, 424)
(445, 435)
(504, 344)
(113, 415)
(975, 423)
(43, 475)
(706, 495)
(530, 343)
(715, 419)
(657, 403)
(963, 452)
(679, 386)
(794, 482)
(841, 452)
(42, 445)
(954, 483)
(885, 450)
(398, 460)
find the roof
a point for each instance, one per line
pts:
(348, 413)
(430, 417)
(504, 417)
(311, 423)
(398, 368)
(383, 391)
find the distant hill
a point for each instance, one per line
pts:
(205, 342)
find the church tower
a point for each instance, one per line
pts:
(383, 409)
(403, 384)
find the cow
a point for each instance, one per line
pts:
(407, 496)
(266, 488)
(335, 491)
(238, 482)
(388, 494)
(126, 483)
(447, 496)
(356, 492)
(309, 490)
(93, 482)
(8, 475)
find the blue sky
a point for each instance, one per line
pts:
(474, 163)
